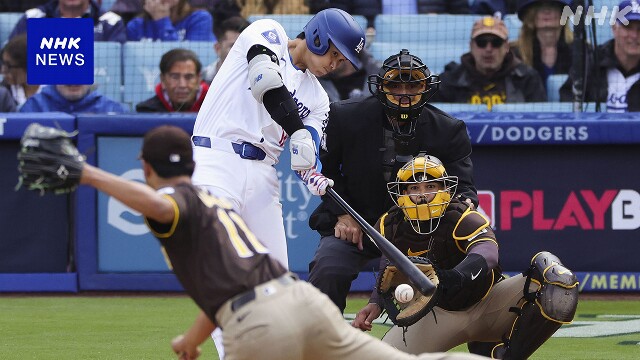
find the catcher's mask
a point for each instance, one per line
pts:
(423, 190)
(403, 85)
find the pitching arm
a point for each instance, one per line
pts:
(138, 196)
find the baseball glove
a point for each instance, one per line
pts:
(48, 160)
(406, 314)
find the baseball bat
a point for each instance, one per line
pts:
(417, 277)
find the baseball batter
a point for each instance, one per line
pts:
(265, 92)
(228, 272)
(474, 302)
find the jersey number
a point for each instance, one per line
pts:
(232, 222)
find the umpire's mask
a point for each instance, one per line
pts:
(403, 85)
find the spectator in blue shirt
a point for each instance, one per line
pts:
(171, 20)
(107, 26)
(71, 99)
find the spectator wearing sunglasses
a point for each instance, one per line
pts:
(489, 74)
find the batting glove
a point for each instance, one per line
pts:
(315, 181)
(303, 150)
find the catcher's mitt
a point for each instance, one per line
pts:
(408, 313)
(48, 160)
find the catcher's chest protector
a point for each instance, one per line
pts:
(446, 252)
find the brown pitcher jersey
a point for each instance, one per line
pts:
(210, 249)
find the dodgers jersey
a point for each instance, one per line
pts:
(231, 112)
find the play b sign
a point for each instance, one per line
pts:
(60, 51)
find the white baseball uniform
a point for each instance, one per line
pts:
(231, 115)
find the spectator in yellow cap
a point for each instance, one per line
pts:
(490, 74)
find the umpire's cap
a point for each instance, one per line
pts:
(341, 29)
(168, 149)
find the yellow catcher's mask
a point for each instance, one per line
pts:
(423, 208)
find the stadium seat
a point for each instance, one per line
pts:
(453, 107)
(294, 23)
(534, 107)
(513, 25)
(434, 55)
(107, 69)
(106, 5)
(141, 69)
(399, 7)
(8, 21)
(554, 83)
(603, 29)
(441, 28)
(604, 32)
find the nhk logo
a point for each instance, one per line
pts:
(580, 209)
(60, 51)
(614, 14)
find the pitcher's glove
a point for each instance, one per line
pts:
(48, 161)
(408, 313)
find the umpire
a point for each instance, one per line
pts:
(367, 141)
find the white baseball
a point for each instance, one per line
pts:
(404, 293)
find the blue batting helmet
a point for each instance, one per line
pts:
(338, 27)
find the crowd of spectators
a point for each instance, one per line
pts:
(494, 71)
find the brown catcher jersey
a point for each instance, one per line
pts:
(210, 249)
(459, 229)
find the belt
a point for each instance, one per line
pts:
(248, 296)
(246, 150)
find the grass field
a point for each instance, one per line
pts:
(141, 327)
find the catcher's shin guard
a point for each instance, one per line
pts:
(543, 311)
(481, 348)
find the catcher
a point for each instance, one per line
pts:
(502, 318)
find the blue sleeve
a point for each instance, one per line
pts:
(199, 26)
(164, 30)
(116, 107)
(316, 140)
(31, 105)
(134, 29)
(117, 32)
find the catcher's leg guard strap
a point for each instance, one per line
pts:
(481, 348)
(543, 311)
